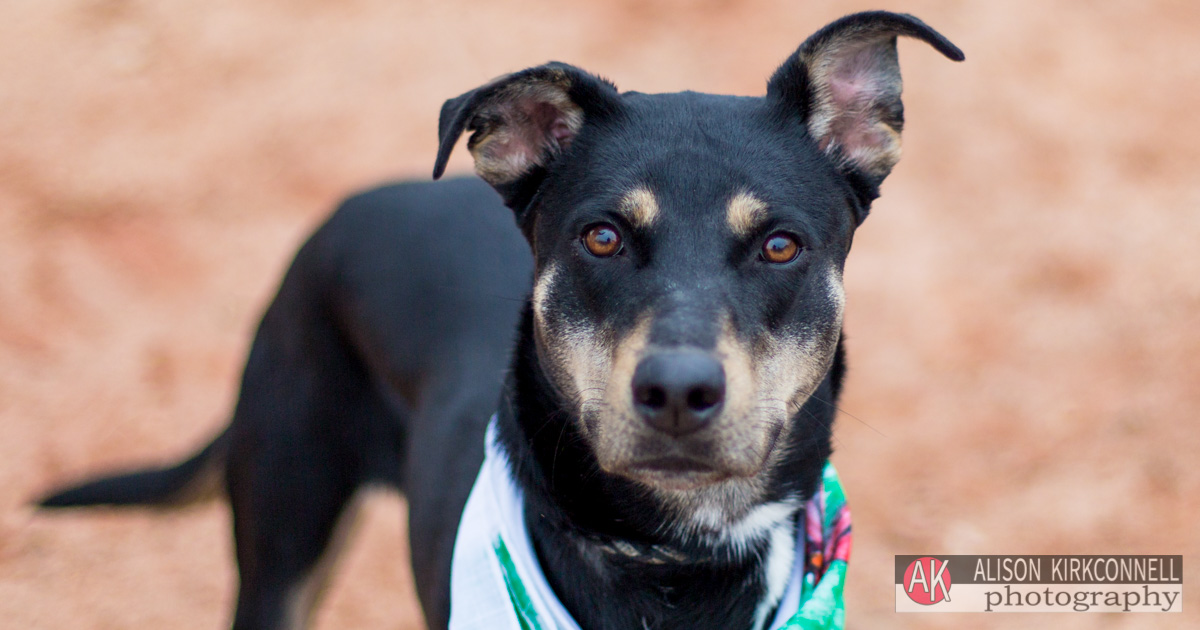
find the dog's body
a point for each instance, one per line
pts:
(380, 360)
(664, 386)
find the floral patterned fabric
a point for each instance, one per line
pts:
(826, 552)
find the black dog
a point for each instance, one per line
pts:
(665, 383)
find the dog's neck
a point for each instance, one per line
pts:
(601, 538)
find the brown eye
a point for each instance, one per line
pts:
(602, 240)
(780, 248)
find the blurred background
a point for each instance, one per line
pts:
(1023, 303)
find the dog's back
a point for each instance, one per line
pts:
(397, 317)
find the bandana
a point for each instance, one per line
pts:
(496, 582)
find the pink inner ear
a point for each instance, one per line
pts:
(534, 127)
(856, 85)
(857, 79)
(561, 131)
(550, 125)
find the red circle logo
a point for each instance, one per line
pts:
(927, 581)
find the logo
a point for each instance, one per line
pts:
(1036, 583)
(927, 581)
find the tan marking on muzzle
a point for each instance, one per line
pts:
(618, 393)
(835, 288)
(766, 376)
(744, 213)
(790, 366)
(578, 355)
(640, 207)
(541, 290)
(741, 395)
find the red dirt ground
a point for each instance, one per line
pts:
(1023, 302)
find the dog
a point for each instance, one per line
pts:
(641, 294)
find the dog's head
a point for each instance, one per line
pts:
(689, 247)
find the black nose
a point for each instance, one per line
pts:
(678, 391)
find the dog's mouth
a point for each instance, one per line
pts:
(675, 465)
(691, 462)
(679, 470)
(675, 473)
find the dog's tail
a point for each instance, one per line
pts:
(198, 477)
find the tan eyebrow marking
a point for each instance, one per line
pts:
(744, 213)
(640, 207)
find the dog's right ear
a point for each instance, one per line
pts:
(522, 122)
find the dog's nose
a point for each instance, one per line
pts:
(679, 391)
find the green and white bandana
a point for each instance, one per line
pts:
(496, 582)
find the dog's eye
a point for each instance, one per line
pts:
(780, 248)
(602, 240)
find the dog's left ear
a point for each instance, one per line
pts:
(844, 81)
(522, 122)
